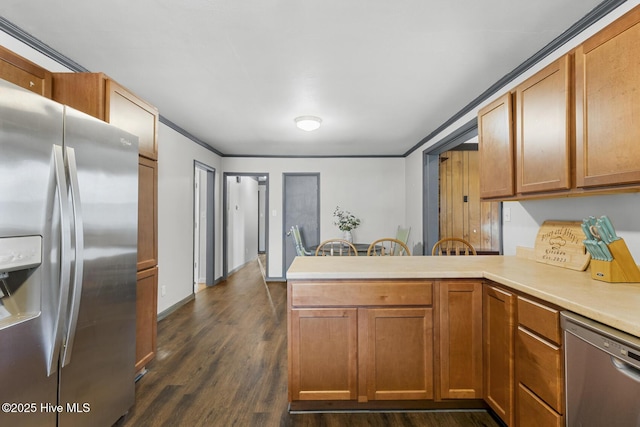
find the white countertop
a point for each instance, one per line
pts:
(614, 304)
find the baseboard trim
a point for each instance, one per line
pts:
(175, 306)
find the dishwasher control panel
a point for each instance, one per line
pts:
(609, 340)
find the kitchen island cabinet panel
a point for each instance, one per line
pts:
(499, 335)
(459, 339)
(533, 412)
(323, 360)
(398, 353)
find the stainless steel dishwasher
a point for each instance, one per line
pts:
(602, 367)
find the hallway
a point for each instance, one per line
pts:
(222, 361)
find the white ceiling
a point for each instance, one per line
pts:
(381, 74)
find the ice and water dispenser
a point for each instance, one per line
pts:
(19, 293)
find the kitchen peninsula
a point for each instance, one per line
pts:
(438, 332)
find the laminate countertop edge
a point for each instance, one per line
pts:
(613, 304)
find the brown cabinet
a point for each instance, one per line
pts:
(495, 146)
(499, 313)
(146, 315)
(459, 339)
(607, 105)
(98, 95)
(396, 346)
(360, 340)
(323, 362)
(575, 123)
(539, 362)
(24, 73)
(543, 130)
(147, 213)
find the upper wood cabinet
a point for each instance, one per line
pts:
(495, 137)
(98, 95)
(24, 73)
(608, 105)
(543, 130)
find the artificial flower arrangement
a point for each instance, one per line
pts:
(345, 220)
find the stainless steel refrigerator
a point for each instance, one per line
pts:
(68, 250)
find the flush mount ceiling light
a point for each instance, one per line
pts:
(308, 123)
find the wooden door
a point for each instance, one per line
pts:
(543, 130)
(396, 348)
(462, 213)
(499, 331)
(459, 339)
(608, 106)
(323, 354)
(495, 144)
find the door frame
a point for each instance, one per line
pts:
(211, 230)
(431, 182)
(225, 220)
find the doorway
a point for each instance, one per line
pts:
(301, 207)
(245, 221)
(431, 224)
(203, 226)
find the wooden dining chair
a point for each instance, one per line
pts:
(388, 246)
(453, 246)
(336, 247)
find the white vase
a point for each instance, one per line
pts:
(348, 236)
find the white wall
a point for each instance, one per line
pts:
(176, 155)
(373, 189)
(242, 221)
(526, 218)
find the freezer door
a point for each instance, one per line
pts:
(30, 125)
(97, 373)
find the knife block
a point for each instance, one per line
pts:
(622, 269)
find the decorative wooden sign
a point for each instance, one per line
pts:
(560, 243)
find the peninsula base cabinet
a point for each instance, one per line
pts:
(499, 310)
(378, 346)
(539, 364)
(417, 344)
(459, 339)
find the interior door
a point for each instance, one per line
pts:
(301, 207)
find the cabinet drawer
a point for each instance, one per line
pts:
(539, 367)
(533, 412)
(540, 319)
(361, 292)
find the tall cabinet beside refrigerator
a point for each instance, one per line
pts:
(68, 251)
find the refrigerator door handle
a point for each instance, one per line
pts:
(76, 289)
(65, 259)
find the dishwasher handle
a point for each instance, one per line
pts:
(626, 369)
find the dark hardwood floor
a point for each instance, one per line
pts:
(222, 361)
